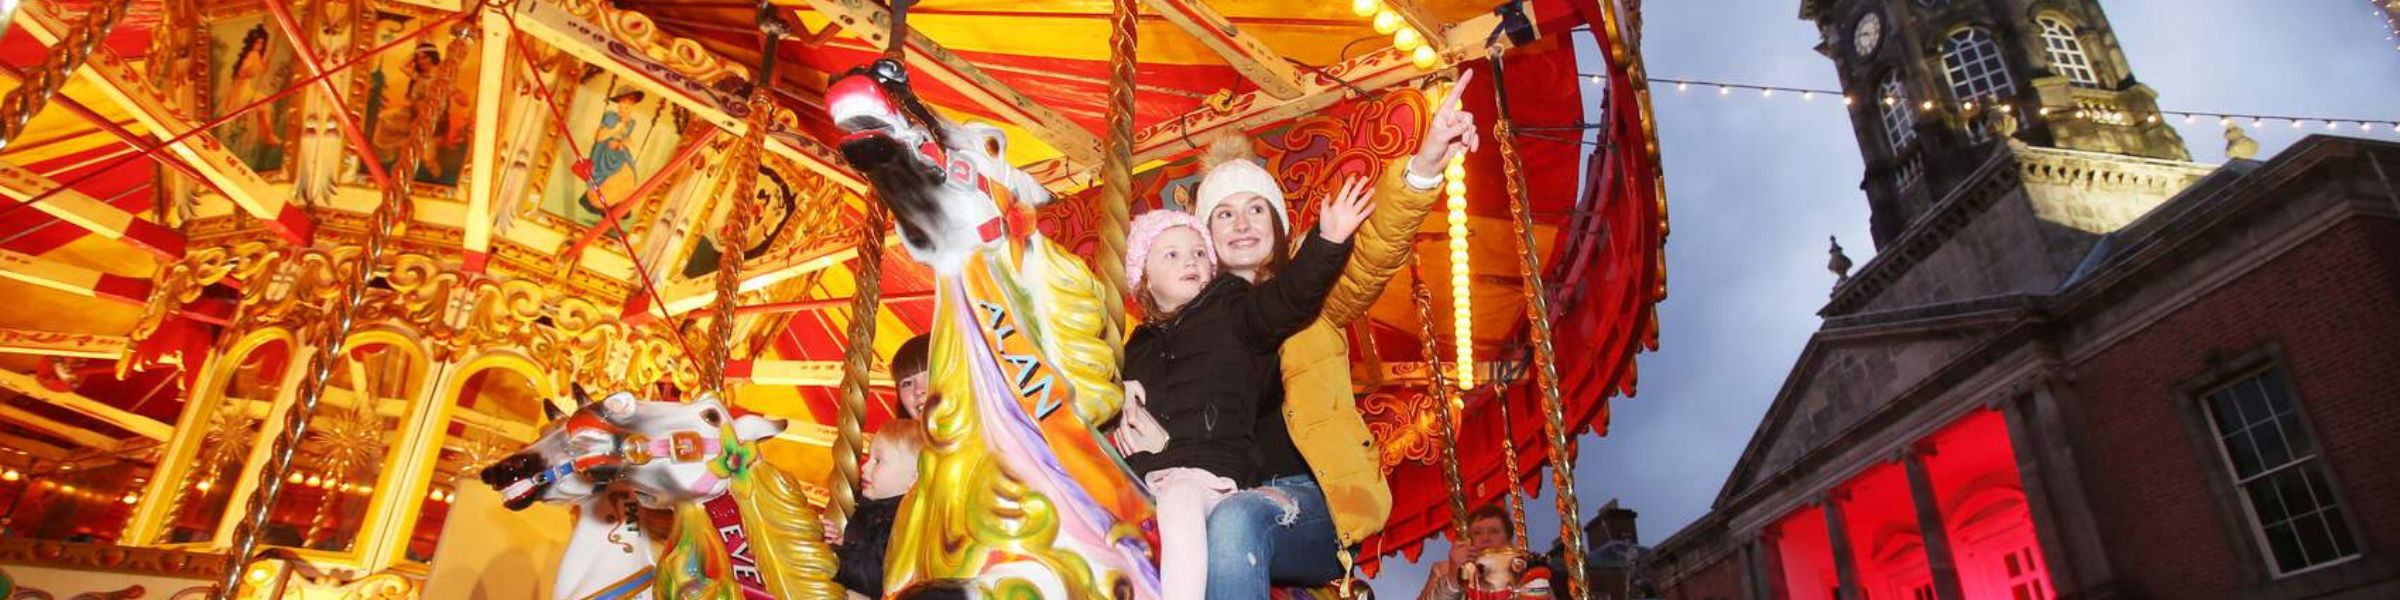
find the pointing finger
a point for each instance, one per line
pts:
(1457, 90)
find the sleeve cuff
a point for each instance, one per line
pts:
(1421, 182)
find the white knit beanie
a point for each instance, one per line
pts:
(1236, 172)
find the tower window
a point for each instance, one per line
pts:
(2066, 52)
(1898, 125)
(1972, 64)
(2274, 463)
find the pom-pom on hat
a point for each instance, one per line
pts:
(1146, 229)
(1234, 169)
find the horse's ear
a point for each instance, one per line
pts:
(582, 398)
(550, 411)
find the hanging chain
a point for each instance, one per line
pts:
(1438, 386)
(331, 345)
(1537, 313)
(1116, 168)
(1508, 458)
(65, 57)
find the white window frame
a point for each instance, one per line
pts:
(1973, 66)
(2257, 529)
(2065, 49)
(1899, 120)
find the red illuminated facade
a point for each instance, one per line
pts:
(2079, 366)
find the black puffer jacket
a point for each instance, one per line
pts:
(864, 540)
(1203, 368)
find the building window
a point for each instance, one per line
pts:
(1971, 62)
(2025, 582)
(2281, 479)
(2066, 52)
(1899, 126)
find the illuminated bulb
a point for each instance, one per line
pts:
(2295, 123)
(2007, 108)
(1682, 86)
(11, 475)
(204, 485)
(1458, 219)
(258, 574)
(1427, 60)
(1970, 106)
(1456, 188)
(295, 478)
(2224, 121)
(1808, 96)
(1888, 100)
(1458, 255)
(2189, 118)
(1407, 39)
(1458, 231)
(2363, 126)
(1457, 170)
(314, 481)
(1386, 22)
(366, 490)
(1926, 105)
(1365, 8)
(1848, 101)
(1766, 93)
(1722, 90)
(2044, 112)
(130, 498)
(435, 495)
(2257, 123)
(2150, 119)
(2329, 125)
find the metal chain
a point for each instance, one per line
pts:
(1116, 169)
(1537, 313)
(1438, 386)
(65, 57)
(331, 345)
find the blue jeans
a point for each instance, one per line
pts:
(1279, 532)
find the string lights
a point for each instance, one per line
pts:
(1454, 190)
(1404, 37)
(2255, 121)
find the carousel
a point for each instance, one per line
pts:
(327, 298)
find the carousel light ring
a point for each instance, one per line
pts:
(1016, 491)
(336, 332)
(1406, 36)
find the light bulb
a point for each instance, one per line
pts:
(1766, 93)
(1458, 218)
(1386, 22)
(1455, 188)
(1848, 101)
(1459, 231)
(130, 498)
(1407, 40)
(1722, 90)
(1926, 105)
(1970, 106)
(203, 486)
(1457, 170)
(1365, 8)
(295, 478)
(314, 481)
(2295, 123)
(1425, 58)
(1682, 86)
(1808, 96)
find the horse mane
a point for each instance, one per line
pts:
(1083, 341)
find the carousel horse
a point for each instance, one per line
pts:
(1016, 491)
(743, 530)
(608, 555)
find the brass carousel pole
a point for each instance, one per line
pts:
(34, 93)
(337, 327)
(1116, 169)
(1537, 314)
(857, 353)
(1439, 386)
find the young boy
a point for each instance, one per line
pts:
(890, 471)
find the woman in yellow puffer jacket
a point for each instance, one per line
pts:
(1322, 489)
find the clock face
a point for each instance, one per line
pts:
(1870, 31)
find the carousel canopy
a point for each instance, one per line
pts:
(168, 198)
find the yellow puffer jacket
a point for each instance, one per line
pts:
(1318, 405)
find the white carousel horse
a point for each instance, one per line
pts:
(608, 556)
(742, 529)
(1013, 492)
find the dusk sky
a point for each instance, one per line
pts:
(1754, 186)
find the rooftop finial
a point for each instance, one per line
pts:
(1840, 263)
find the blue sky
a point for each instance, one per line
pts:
(1754, 186)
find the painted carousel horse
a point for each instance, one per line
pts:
(1016, 490)
(743, 530)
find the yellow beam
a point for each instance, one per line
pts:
(21, 184)
(117, 78)
(926, 58)
(50, 343)
(485, 148)
(1249, 56)
(692, 294)
(34, 448)
(80, 436)
(72, 279)
(818, 373)
(123, 419)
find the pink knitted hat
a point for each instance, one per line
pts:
(1146, 229)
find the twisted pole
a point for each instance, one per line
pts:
(1116, 168)
(336, 332)
(857, 354)
(34, 93)
(1439, 387)
(1537, 314)
(734, 235)
(1508, 458)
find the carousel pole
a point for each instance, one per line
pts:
(337, 326)
(1116, 169)
(32, 94)
(1508, 458)
(1537, 314)
(1439, 387)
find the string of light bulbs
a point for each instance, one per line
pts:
(2254, 121)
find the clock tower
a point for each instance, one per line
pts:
(1934, 85)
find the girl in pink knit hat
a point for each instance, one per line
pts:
(1193, 367)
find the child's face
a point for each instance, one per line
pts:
(890, 471)
(914, 395)
(1177, 268)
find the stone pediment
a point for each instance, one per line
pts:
(1856, 367)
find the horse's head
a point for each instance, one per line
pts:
(949, 186)
(666, 452)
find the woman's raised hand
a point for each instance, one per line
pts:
(1452, 133)
(1344, 212)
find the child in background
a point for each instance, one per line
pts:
(890, 471)
(1194, 368)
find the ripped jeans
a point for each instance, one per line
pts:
(1278, 533)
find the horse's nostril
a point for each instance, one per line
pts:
(509, 470)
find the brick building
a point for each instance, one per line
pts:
(2079, 366)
